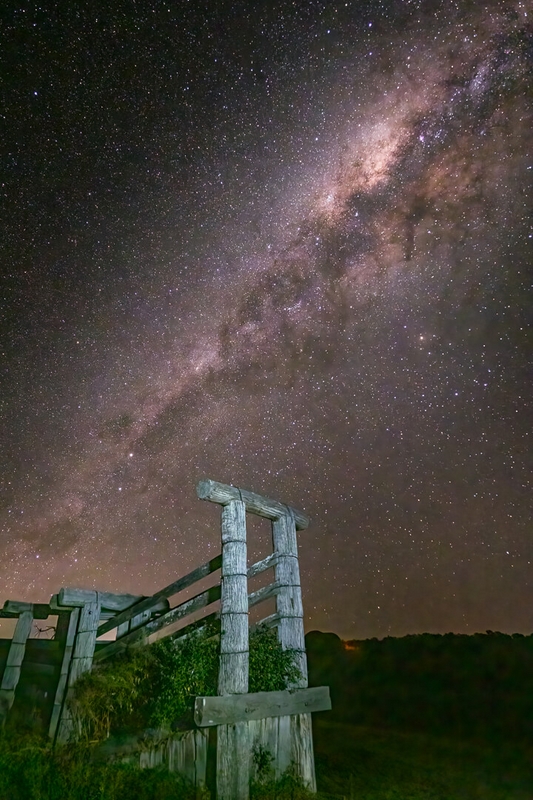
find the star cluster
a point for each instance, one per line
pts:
(285, 246)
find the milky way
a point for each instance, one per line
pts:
(288, 250)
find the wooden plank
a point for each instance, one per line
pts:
(259, 705)
(15, 657)
(255, 503)
(264, 593)
(260, 566)
(188, 607)
(140, 635)
(63, 676)
(173, 588)
(233, 750)
(69, 726)
(201, 742)
(108, 600)
(267, 622)
(12, 608)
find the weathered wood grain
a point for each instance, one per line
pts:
(233, 673)
(259, 705)
(289, 598)
(302, 753)
(255, 503)
(110, 601)
(69, 726)
(233, 752)
(151, 603)
(267, 622)
(289, 740)
(12, 608)
(184, 752)
(15, 657)
(140, 635)
(260, 566)
(233, 762)
(264, 593)
(63, 676)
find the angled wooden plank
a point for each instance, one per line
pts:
(140, 635)
(173, 588)
(81, 662)
(15, 657)
(267, 622)
(255, 504)
(264, 593)
(259, 705)
(260, 566)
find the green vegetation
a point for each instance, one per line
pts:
(31, 770)
(377, 764)
(468, 687)
(425, 717)
(155, 686)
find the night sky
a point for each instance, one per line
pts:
(286, 246)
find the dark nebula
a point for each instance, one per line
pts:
(286, 246)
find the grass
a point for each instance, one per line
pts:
(370, 764)
(353, 762)
(30, 770)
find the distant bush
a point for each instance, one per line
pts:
(468, 686)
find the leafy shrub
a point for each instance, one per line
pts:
(271, 668)
(155, 686)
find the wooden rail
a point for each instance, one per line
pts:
(149, 603)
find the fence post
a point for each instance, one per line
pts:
(67, 634)
(81, 661)
(233, 763)
(291, 635)
(15, 658)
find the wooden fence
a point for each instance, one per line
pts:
(279, 722)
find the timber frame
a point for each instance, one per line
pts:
(277, 721)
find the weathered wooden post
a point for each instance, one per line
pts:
(15, 658)
(291, 635)
(233, 766)
(66, 635)
(82, 654)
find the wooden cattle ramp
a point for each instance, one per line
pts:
(229, 727)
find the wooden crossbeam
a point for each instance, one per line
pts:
(110, 601)
(12, 608)
(255, 504)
